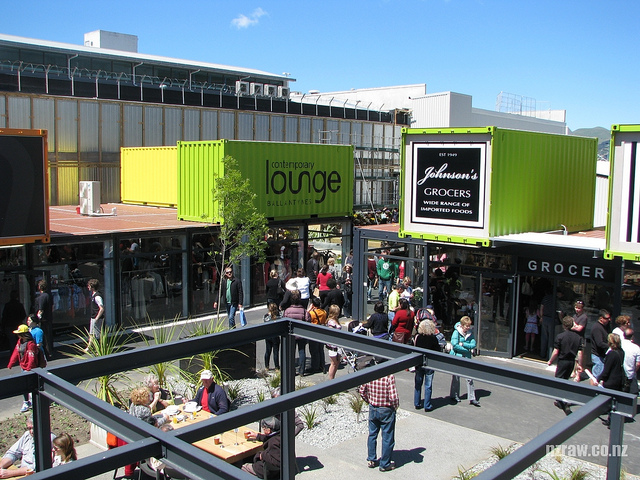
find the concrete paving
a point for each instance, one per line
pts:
(434, 444)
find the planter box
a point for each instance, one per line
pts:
(98, 436)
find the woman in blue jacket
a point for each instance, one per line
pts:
(462, 343)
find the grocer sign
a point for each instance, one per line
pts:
(448, 184)
(576, 270)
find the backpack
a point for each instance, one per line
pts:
(42, 361)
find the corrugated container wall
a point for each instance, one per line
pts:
(535, 179)
(623, 224)
(149, 176)
(291, 180)
(468, 185)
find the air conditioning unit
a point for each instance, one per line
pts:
(256, 89)
(270, 90)
(242, 88)
(283, 92)
(89, 197)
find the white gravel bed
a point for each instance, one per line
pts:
(554, 465)
(334, 423)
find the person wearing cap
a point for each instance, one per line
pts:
(25, 354)
(269, 458)
(211, 396)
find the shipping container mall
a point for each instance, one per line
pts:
(491, 219)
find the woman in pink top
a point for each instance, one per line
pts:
(321, 282)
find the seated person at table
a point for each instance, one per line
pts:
(64, 450)
(140, 407)
(211, 396)
(270, 456)
(23, 450)
(158, 397)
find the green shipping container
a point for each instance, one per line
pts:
(623, 223)
(470, 185)
(291, 180)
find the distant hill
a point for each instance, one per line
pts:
(602, 134)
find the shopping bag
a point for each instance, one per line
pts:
(243, 319)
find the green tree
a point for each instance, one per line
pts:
(243, 228)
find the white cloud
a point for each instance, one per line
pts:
(243, 21)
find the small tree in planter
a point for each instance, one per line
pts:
(243, 228)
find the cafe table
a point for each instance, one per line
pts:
(233, 446)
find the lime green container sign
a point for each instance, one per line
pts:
(291, 180)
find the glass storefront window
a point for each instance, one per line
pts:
(206, 264)
(70, 266)
(151, 278)
(11, 257)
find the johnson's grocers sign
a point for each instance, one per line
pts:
(297, 180)
(447, 184)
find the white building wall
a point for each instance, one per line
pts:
(111, 40)
(450, 109)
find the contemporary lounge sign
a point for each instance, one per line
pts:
(448, 184)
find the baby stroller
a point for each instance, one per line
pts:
(355, 360)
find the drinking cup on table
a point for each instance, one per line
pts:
(174, 419)
(246, 434)
(217, 440)
(193, 415)
(30, 471)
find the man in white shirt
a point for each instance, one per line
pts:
(631, 361)
(24, 452)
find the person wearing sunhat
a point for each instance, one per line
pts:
(25, 354)
(211, 396)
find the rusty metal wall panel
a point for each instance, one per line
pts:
(110, 126)
(44, 118)
(67, 184)
(172, 125)
(245, 126)
(317, 126)
(3, 111)
(378, 135)
(89, 123)
(110, 183)
(277, 128)
(344, 137)
(209, 125)
(132, 125)
(291, 133)
(332, 132)
(355, 138)
(67, 131)
(304, 130)
(367, 135)
(262, 127)
(19, 112)
(227, 125)
(153, 123)
(191, 124)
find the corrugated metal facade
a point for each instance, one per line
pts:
(85, 137)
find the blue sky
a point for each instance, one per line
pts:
(576, 55)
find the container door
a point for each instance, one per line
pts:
(496, 311)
